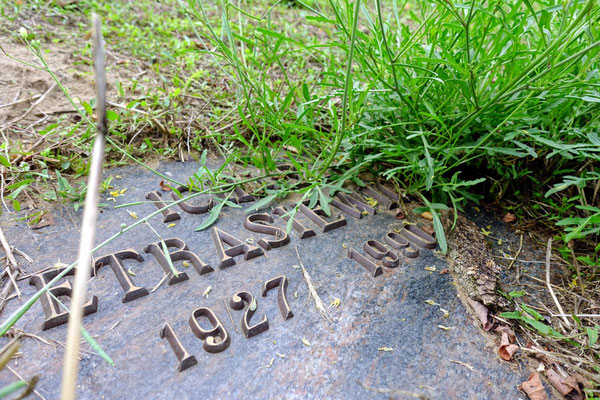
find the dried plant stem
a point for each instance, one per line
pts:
(560, 309)
(313, 292)
(230, 317)
(71, 363)
(12, 266)
(21, 378)
(9, 254)
(517, 254)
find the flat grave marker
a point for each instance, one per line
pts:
(229, 313)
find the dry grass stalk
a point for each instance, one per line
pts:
(313, 292)
(71, 363)
(548, 255)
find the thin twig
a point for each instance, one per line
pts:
(7, 249)
(21, 378)
(518, 252)
(12, 279)
(17, 160)
(159, 283)
(230, 317)
(577, 315)
(34, 105)
(20, 101)
(22, 254)
(548, 254)
(12, 263)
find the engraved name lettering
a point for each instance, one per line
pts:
(237, 248)
(188, 208)
(316, 215)
(351, 205)
(374, 269)
(132, 292)
(168, 214)
(260, 223)
(54, 317)
(303, 232)
(181, 254)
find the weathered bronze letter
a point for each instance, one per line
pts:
(55, 317)
(260, 223)
(132, 292)
(237, 248)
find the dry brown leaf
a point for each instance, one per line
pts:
(569, 387)
(533, 387)
(164, 186)
(444, 271)
(540, 356)
(509, 217)
(505, 329)
(46, 220)
(427, 215)
(507, 349)
(482, 313)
